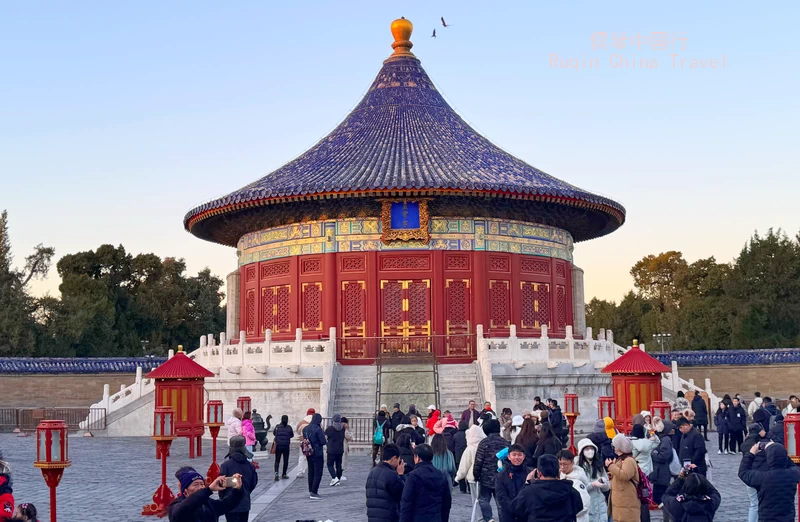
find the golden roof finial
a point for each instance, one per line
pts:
(401, 30)
(180, 348)
(636, 343)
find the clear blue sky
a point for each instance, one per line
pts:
(116, 118)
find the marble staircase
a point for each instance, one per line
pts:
(458, 384)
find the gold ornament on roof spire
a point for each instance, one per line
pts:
(401, 30)
(636, 343)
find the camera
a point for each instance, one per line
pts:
(232, 482)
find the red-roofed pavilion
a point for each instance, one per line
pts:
(636, 383)
(179, 385)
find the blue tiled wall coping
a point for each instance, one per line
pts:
(78, 365)
(731, 357)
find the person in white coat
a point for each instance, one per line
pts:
(475, 435)
(590, 460)
(234, 424)
(643, 447)
(580, 481)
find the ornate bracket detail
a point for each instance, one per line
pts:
(260, 369)
(234, 369)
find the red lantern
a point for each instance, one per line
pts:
(163, 435)
(571, 404)
(214, 421)
(243, 403)
(606, 407)
(52, 456)
(661, 409)
(571, 410)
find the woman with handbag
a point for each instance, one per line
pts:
(280, 446)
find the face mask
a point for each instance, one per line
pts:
(589, 453)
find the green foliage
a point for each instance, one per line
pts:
(753, 302)
(112, 304)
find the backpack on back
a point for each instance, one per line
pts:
(378, 437)
(306, 448)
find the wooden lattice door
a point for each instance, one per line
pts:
(405, 315)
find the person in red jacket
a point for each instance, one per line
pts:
(6, 492)
(433, 418)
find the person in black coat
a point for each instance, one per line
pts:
(385, 484)
(737, 424)
(545, 498)
(407, 428)
(700, 414)
(755, 434)
(661, 476)
(485, 467)
(283, 443)
(335, 442)
(459, 445)
(236, 463)
(510, 481)
(693, 447)
(692, 498)
(313, 432)
(600, 439)
(549, 443)
(777, 487)
(195, 504)
(406, 452)
(426, 494)
(397, 419)
(721, 421)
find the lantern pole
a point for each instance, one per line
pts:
(52, 460)
(572, 412)
(214, 423)
(163, 435)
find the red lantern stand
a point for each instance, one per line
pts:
(214, 421)
(571, 411)
(243, 403)
(636, 383)
(791, 436)
(661, 409)
(179, 385)
(163, 434)
(605, 407)
(52, 456)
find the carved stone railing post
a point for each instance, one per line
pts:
(298, 346)
(545, 343)
(332, 345)
(675, 377)
(570, 343)
(513, 344)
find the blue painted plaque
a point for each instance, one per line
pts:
(405, 215)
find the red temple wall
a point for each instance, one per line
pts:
(445, 293)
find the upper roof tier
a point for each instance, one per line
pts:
(402, 138)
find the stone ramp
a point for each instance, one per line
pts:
(458, 384)
(355, 391)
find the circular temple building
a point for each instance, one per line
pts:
(405, 229)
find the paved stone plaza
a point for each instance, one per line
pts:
(117, 476)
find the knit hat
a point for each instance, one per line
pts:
(517, 420)
(599, 426)
(238, 444)
(431, 407)
(311, 411)
(397, 405)
(189, 476)
(526, 413)
(610, 430)
(659, 425)
(622, 443)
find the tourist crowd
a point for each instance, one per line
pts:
(517, 461)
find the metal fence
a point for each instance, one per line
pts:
(26, 419)
(361, 427)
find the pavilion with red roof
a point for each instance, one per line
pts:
(179, 385)
(635, 384)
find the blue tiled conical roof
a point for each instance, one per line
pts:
(403, 137)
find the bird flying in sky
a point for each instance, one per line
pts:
(434, 34)
(444, 23)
